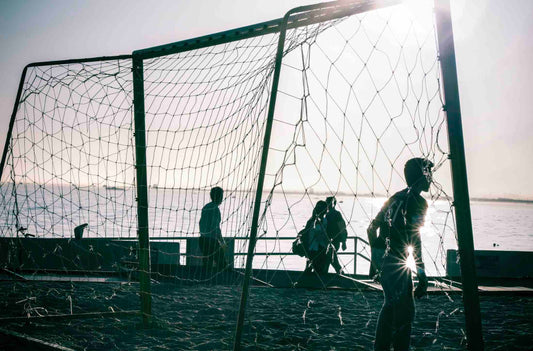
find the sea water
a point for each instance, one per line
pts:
(54, 211)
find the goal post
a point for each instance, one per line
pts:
(460, 183)
(142, 190)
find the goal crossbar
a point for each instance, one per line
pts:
(313, 14)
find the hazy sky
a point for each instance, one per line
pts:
(494, 47)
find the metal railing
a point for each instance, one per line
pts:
(355, 251)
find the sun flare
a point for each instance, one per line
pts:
(410, 261)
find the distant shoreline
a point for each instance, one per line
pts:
(501, 199)
(310, 193)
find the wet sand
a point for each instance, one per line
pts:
(204, 318)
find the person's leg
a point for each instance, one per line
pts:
(313, 255)
(321, 261)
(219, 256)
(385, 325)
(210, 252)
(384, 328)
(204, 249)
(405, 313)
(335, 258)
(308, 266)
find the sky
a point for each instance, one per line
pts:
(493, 41)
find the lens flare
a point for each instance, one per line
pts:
(410, 261)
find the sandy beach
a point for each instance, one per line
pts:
(204, 318)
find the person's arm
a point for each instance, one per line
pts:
(372, 229)
(372, 233)
(202, 223)
(422, 285)
(217, 220)
(417, 251)
(344, 236)
(416, 223)
(341, 230)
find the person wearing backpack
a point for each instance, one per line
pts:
(399, 222)
(316, 240)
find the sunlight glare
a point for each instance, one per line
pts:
(420, 10)
(427, 229)
(410, 261)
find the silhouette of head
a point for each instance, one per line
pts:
(331, 201)
(320, 209)
(417, 173)
(217, 194)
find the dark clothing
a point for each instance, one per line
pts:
(210, 221)
(336, 227)
(211, 240)
(399, 221)
(398, 311)
(320, 260)
(317, 249)
(213, 252)
(336, 230)
(334, 257)
(376, 261)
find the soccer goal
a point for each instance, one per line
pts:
(110, 161)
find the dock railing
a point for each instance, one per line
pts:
(355, 251)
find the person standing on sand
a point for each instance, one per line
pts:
(336, 229)
(317, 240)
(211, 241)
(399, 222)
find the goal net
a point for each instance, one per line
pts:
(359, 94)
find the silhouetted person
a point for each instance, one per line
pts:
(377, 251)
(78, 231)
(211, 241)
(336, 230)
(399, 222)
(317, 240)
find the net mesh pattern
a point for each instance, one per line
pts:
(356, 101)
(358, 96)
(205, 116)
(70, 160)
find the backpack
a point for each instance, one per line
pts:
(300, 245)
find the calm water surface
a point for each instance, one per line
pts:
(54, 211)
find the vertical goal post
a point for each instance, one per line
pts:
(459, 177)
(142, 190)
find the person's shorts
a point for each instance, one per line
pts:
(396, 279)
